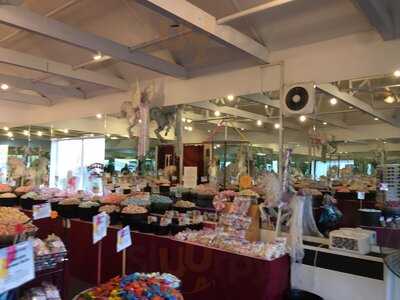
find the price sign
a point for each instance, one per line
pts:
(100, 224)
(361, 195)
(124, 239)
(16, 266)
(41, 211)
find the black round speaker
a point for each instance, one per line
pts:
(297, 98)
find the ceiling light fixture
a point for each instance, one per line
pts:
(190, 128)
(4, 86)
(277, 125)
(66, 130)
(6, 128)
(230, 97)
(325, 123)
(217, 113)
(333, 101)
(351, 107)
(183, 120)
(39, 133)
(189, 120)
(97, 56)
(242, 129)
(376, 119)
(266, 106)
(140, 121)
(389, 99)
(302, 118)
(259, 123)
(26, 132)
(10, 134)
(99, 116)
(108, 135)
(396, 73)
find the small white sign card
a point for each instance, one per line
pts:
(16, 266)
(100, 224)
(190, 177)
(361, 195)
(41, 211)
(124, 239)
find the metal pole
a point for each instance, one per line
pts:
(179, 125)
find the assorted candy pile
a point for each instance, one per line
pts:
(47, 291)
(52, 244)
(134, 209)
(13, 222)
(137, 286)
(184, 204)
(233, 243)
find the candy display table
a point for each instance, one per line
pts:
(206, 273)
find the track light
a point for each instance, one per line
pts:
(333, 101)
(277, 125)
(302, 118)
(217, 113)
(259, 123)
(230, 97)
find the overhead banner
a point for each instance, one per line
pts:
(16, 266)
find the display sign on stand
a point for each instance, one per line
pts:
(41, 211)
(190, 177)
(100, 224)
(124, 239)
(16, 266)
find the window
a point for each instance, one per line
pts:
(70, 159)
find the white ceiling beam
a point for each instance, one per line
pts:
(41, 87)
(23, 98)
(252, 10)
(23, 60)
(25, 19)
(355, 102)
(197, 19)
(241, 113)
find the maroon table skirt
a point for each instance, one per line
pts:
(206, 273)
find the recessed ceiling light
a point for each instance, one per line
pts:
(333, 101)
(217, 113)
(242, 129)
(396, 73)
(4, 86)
(189, 120)
(266, 106)
(351, 107)
(91, 135)
(376, 119)
(26, 132)
(183, 120)
(108, 135)
(385, 142)
(66, 130)
(10, 134)
(114, 138)
(325, 123)
(230, 97)
(389, 99)
(208, 130)
(39, 133)
(190, 128)
(302, 118)
(259, 123)
(6, 128)
(140, 121)
(277, 125)
(97, 56)
(99, 116)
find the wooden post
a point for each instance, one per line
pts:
(124, 262)
(98, 280)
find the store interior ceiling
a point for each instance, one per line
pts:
(55, 51)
